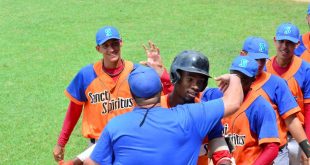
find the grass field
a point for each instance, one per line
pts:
(44, 43)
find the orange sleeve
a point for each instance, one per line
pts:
(307, 100)
(268, 140)
(290, 112)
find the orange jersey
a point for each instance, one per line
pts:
(277, 93)
(203, 157)
(298, 80)
(252, 125)
(102, 97)
(303, 50)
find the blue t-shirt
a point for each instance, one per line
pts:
(168, 136)
(211, 94)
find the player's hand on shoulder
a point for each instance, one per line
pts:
(58, 152)
(153, 58)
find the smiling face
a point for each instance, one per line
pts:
(285, 48)
(261, 64)
(189, 85)
(111, 51)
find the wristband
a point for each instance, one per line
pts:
(305, 146)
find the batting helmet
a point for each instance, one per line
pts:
(189, 61)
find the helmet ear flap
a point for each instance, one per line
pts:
(206, 84)
(175, 76)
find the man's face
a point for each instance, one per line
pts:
(285, 48)
(189, 85)
(261, 64)
(111, 50)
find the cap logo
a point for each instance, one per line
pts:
(287, 30)
(108, 32)
(243, 63)
(262, 47)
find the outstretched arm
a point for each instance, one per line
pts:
(233, 94)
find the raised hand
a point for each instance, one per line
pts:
(153, 58)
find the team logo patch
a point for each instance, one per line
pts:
(108, 32)
(287, 30)
(235, 139)
(243, 63)
(109, 103)
(262, 47)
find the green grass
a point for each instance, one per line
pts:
(45, 43)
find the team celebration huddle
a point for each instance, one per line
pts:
(143, 113)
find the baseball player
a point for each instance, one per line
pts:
(303, 49)
(275, 90)
(100, 90)
(296, 73)
(159, 135)
(252, 129)
(190, 73)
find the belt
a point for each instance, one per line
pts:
(92, 140)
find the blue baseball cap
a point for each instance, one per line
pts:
(106, 33)
(308, 11)
(245, 65)
(287, 31)
(256, 47)
(144, 82)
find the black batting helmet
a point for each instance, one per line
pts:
(189, 61)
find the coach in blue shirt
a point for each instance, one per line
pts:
(151, 134)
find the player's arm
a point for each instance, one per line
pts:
(269, 153)
(233, 94)
(304, 145)
(307, 118)
(72, 116)
(263, 123)
(166, 82)
(294, 126)
(219, 151)
(154, 61)
(288, 109)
